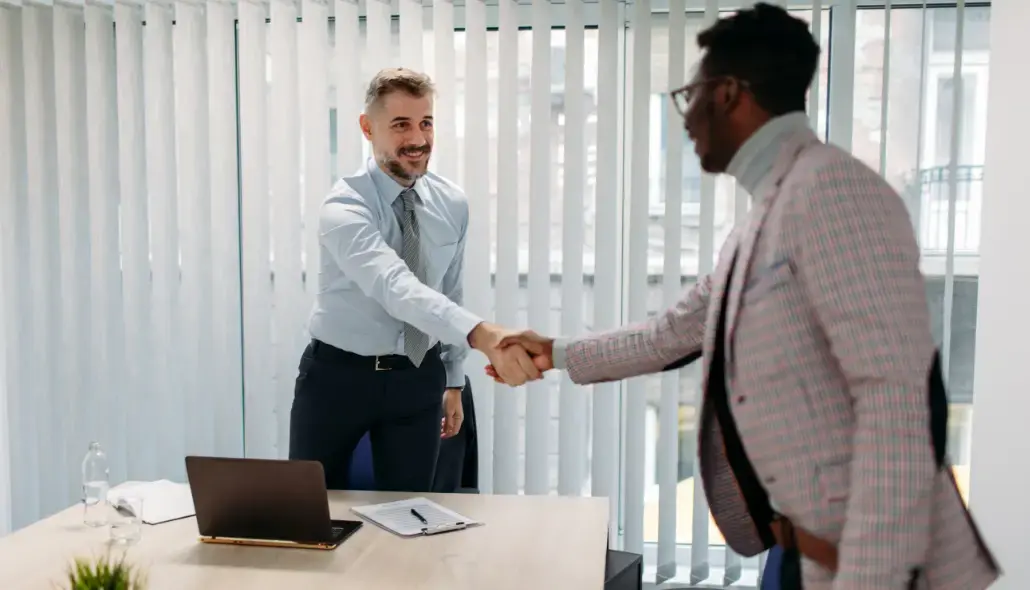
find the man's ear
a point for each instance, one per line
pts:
(366, 126)
(728, 96)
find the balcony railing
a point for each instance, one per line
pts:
(930, 205)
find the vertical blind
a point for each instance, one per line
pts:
(162, 169)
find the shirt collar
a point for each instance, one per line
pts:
(755, 159)
(388, 188)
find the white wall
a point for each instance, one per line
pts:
(5, 449)
(1000, 479)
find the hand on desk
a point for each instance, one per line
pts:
(540, 348)
(511, 362)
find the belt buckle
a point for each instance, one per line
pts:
(380, 367)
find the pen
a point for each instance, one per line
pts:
(420, 517)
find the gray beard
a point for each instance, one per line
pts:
(396, 169)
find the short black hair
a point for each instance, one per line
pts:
(772, 51)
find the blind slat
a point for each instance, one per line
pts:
(135, 237)
(605, 426)
(40, 157)
(572, 424)
(412, 34)
(669, 428)
(284, 178)
(731, 568)
(814, 100)
(953, 161)
(194, 231)
(842, 83)
(538, 415)
(226, 368)
(699, 550)
(506, 414)
(159, 92)
(106, 304)
(314, 64)
(258, 361)
(14, 273)
(636, 269)
(478, 291)
(75, 413)
(349, 96)
(885, 83)
(445, 158)
(377, 38)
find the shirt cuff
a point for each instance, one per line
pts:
(461, 323)
(558, 353)
(455, 374)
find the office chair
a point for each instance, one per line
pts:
(362, 477)
(456, 466)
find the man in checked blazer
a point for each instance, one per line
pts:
(824, 414)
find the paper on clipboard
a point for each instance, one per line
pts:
(397, 517)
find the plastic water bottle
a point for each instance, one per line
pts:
(95, 483)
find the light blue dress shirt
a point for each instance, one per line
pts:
(366, 293)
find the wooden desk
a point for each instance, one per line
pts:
(551, 542)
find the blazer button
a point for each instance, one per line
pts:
(770, 479)
(740, 399)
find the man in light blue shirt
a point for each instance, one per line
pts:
(389, 335)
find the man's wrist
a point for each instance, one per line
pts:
(479, 336)
(455, 371)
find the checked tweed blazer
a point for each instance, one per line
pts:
(827, 359)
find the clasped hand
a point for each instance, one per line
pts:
(515, 357)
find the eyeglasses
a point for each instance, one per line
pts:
(682, 97)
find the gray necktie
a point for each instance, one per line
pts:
(416, 342)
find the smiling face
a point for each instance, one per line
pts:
(711, 108)
(400, 128)
(398, 121)
(757, 64)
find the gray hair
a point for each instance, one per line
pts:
(390, 80)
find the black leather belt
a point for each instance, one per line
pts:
(389, 362)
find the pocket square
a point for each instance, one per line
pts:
(769, 279)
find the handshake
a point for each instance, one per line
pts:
(515, 357)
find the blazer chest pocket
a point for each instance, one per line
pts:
(769, 279)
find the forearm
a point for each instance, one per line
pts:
(430, 312)
(891, 487)
(619, 354)
(358, 248)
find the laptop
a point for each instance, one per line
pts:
(268, 503)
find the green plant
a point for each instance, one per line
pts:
(104, 574)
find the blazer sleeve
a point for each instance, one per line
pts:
(667, 340)
(858, 263)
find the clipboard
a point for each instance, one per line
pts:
(414, 517)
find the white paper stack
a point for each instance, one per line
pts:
(163, 500)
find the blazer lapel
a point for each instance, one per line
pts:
(720, 282)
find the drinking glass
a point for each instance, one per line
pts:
(126, 520)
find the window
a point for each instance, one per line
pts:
(920, 103)
(943, 107)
